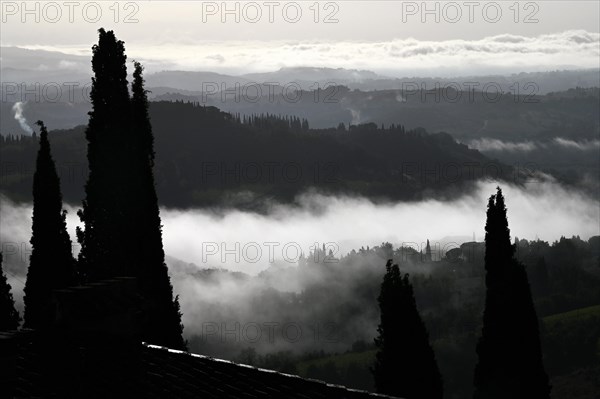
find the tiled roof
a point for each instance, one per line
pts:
(31, 367)
(183, 375)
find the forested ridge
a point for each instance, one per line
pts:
(206, 157)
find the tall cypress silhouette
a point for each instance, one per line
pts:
(510, 358)
(405, 364)
(51, 264)
(104, 242)
(165, 318)
(122, 235)
(9, 317)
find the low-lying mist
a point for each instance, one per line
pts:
(268, 298)
(544, 210)
(557, 143)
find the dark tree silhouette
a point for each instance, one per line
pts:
(510, 358)
(104, 241)
(51, 264)
(9, 317)
(405, 364)
(153, 278)
(122, 235)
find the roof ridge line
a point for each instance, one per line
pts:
(151, 346)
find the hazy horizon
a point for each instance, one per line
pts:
(395, 38)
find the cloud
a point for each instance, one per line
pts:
(216, 57)
(19, 117)
(404, 57)
(356, 119)
(495, 145)
(353, 222)
(586, 145)
(65, 64)
(500, 145)
(505, 53)
(209, 239)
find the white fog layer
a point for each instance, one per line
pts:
(543, 210)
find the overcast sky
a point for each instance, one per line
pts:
(392, 37)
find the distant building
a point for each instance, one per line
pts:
(428, 252)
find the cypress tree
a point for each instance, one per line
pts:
(104, 241)
(122, 235)
(405, 364)
(9, 317)
(164, 324)
(510, 358)
(51, 264)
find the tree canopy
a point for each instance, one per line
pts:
(51, 264)
(122, 235)
(405, 364)
(510, 358)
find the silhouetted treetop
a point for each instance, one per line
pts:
(51, 264)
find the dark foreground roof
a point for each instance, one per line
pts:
(93, 349)
(32, 366)
(179, 374)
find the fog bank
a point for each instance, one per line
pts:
(250, 243)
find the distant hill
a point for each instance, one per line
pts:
(466, 115)
(193, 81)
(206, 157)
(20, 65)
(558, 132)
